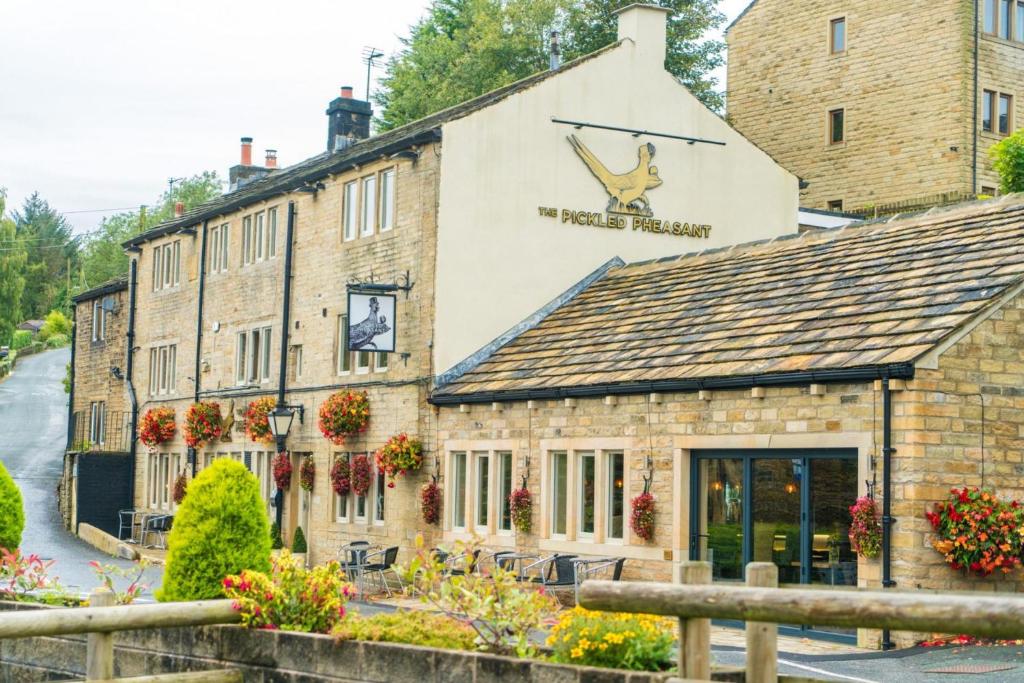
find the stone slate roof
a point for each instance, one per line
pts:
(109, 287)
(422, 131)
(872, 295)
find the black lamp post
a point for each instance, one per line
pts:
(280, 422)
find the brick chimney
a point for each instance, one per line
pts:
(271, 159)
(645, 26)
(246, 152)
(245, 172)
(348, 119)
(179, 209)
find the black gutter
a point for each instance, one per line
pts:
(106, 288)
(887, 519)
(974, 150)
(286, 308)
(199, 311)
(71, 390)
(861, 374)
(133, 285)
(284, 183)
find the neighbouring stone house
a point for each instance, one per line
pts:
(749, 388)
(868, 107)
(473, 219)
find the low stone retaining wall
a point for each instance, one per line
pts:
(274, 656)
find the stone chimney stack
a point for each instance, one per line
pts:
(245, 172)
(348, 119)
(645, 25)
(179, 209)
(271, 159)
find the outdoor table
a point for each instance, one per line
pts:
(355, 564)
(585, 562)
(139, 518)
(520, 559)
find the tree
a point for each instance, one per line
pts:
(592, 24)
(12, 275)
(55, 324)
(220, 529)
(12, 512)
(465, 48)
(1008, 158)
(52, 253)
(103, 257)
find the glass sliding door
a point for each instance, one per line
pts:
(720, 532)
(775, 517)
(833, 561)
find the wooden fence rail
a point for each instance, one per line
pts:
(765, 607)
(102, 619)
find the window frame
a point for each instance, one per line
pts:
(343, 504)
(832, 24)
(580, 457)
(368, 213)
(271, 233)
(553, 501)
(350, 211)
(608, 456)
(457, 490)
(831, 119)
(386, 204)
(482, 498)
(1008, 98)
(835, 205)
(991, 102)
(343, 361)
(98, 423)
(163, 369)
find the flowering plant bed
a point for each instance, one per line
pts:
(307, 473)
(521, 508)
(399, 455)
(865, 528)
(282, 471)
(641, 642)
(978, 532)
(202, 424)
(343, 414)
(341, 477)
(157, 427)
(257, 419)
(642, 517)
(361, 474)
(430, 502)
(180, 488)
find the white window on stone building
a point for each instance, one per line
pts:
(260, 236)
(272, 232)
(380, 362)
(342, 504)
(350, 211)
(167, 265)
(369, 205)
(559, 499)
(586, 494)
(252, 356)
(99, 319)
(342, 354)
(387, 200)
(482, 490)
(263, 468)
(362, 502)
(248, 242)
(505, 487)
(364, 360)
(615, 495)
(295, 361)
(158, 480)
(380, 487)
(458, 490)
(163, 361)
(219, 248)
(97, 423)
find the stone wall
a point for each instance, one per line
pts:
(94, 359)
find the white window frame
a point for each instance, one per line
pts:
(363, 368)
(609, 486)
(381, 361)
(158, 269)
(368, 204)
(379, 498)
(247, 241)
(272, 232)
(263, 468)
(366, 500)
(296, 359)
(260, 235)
(386, 190)
(350, 211)
(343, 504)
(252, 356)
(98, 320)
(458, 490)
(343, 365)
(579, 457)
(481, 460)
(163, 369)
(219, 249)
(241, 343)
(552, 500)
(97, 423)
(502, 497)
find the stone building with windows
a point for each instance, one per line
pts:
(476, 220)
(871, 111)
(757, 391)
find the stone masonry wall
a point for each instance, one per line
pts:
(906, 92)
(94, 359)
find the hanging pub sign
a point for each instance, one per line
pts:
(371, 322)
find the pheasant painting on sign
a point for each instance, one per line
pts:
(371, 322)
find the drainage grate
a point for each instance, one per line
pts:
(971, 669)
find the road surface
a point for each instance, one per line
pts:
(33, 430)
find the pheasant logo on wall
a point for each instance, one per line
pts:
(628, 191)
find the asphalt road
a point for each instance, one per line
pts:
(33, 430)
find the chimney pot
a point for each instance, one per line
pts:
(271, 158)
(246, 152)
(346, 92)
(179, 209)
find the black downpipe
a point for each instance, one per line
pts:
(199, 332)
(285, 323)
(974, 133)
(887, 519)
(71, 389)
(133, 285)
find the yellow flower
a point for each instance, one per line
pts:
(576, 653)
(603, 646)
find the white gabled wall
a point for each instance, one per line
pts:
(499, 260)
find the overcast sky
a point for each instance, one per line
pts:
(102, 102)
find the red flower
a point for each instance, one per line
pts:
(343, 414)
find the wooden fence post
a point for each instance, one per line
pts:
(762, 637)
(99, 658)
(695, 634)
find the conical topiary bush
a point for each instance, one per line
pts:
(299, 541)
(220, 529)
(12, 513)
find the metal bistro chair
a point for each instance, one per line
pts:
(352, 558)
(457, 564)
(125, 522)
(160, 525)
(584, 569)
(554, 571)
(492, 558)
(387, 557)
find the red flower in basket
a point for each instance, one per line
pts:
(341, 477)
(430, 503)
(307, 473)
(157, 427)
(521, 508)
(257, 419)
(282, 467)
(977, 531)
(343, 414)
(642, 518)
(202, 424)
(399, 455)
(362, 475)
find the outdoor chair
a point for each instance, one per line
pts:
(387, 558)
(353, 555)
(160, 526)
(492, 558)
(555, 571)
(596, 568)
(458, 565)
(125, 522)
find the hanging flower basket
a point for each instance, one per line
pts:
(341, 477)
(203, 424)
(521, 508)
(362, 475)
(257, 419)
(399, 455)
(865, 528)
(343, 414)
(282, 471)
(157, 427)
(307, 473)
(642, 518)
(180, 488)
(978, 532)
(430, 503)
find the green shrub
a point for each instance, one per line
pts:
(639, 642)
(22, 338)
(299, 542)
(276, 542)
(220, 529)
(428, 629)
(1008, 159)
(56, 341)
(12, 514)
(55, 323)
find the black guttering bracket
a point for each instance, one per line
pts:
(861, 374)
(283, 183)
